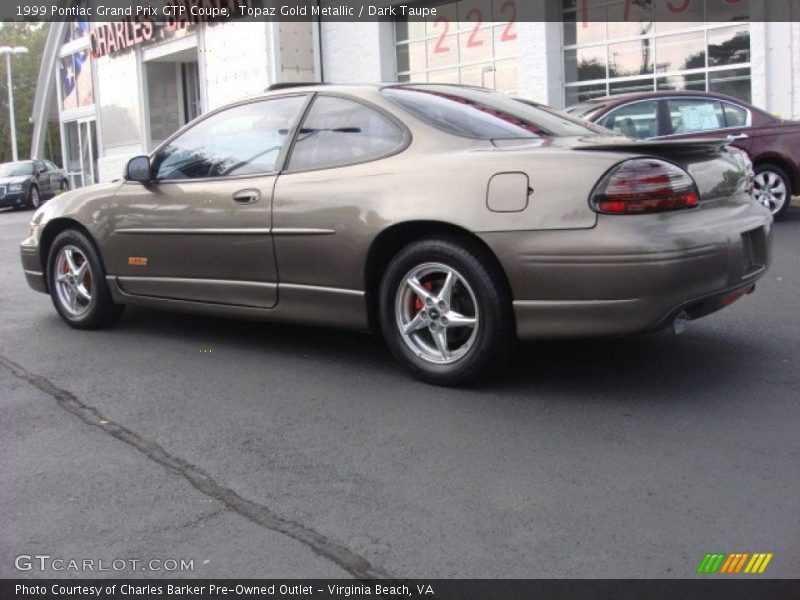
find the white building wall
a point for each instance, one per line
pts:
(775, 57)
(236, 61)
(358, 52)
(541, 73)
(795, 60)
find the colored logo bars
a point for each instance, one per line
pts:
(734, 563)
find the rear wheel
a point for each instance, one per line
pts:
(77, 283)
(773, 188)
(445, 313)
(34, 199)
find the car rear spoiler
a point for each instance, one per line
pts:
(665, 148)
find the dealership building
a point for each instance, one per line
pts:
(120, 89)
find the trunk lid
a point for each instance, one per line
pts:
(723, 174)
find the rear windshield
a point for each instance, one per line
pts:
(16, 169)
(481, 114)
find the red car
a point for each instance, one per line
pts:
(772, 143)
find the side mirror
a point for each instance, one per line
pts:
(138, 169)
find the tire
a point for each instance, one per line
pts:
(478, 294)
(34, 198)
(773, 188)
(80, 294)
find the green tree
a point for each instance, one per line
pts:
(25, 72)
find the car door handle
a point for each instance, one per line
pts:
(247, 196)
(740, 136)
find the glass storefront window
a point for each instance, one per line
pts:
(630, 58)
(623, 46)
(471, 42)
(681, 52)
(728, 46)
(734, 83)
(80, 152)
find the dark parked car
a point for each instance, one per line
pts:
(772, 143)
(28, 182)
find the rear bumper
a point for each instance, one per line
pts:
(632, 274)
(32, 265)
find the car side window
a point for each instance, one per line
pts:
(695, 115)
(243, 140)
(338, 132)
(50, 166)
(40, 166)
(637, 120)
(735, 116)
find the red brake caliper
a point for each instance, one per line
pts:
(418, 305)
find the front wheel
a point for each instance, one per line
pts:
(773, 188)
(34, 199)
(77, 283)
(445, 312)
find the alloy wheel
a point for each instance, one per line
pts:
(771, 191)
(35, 198)
(74, 280)
(437, 313)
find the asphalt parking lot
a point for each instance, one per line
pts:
(261, 450)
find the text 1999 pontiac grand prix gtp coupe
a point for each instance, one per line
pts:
(452, 219)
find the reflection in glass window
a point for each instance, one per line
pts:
(578, 94)
(630, 86)
(729, 46)
(701, 45)
(630, 58)
(681, 52)
(464, 43)
(243, 140)
(695, 82)
(638, 120)
(728, 11)
(735, 82)
(587, 26)
(585, 64)
(630, 19)
(339, 132)
(672, 15)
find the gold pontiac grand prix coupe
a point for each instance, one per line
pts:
(452, 219)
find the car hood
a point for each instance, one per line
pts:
(17, 179)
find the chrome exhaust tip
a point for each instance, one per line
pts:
(680, 323)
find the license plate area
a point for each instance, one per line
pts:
(754, 251)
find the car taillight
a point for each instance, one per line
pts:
(644, 185)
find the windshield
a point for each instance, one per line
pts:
(482, 114)
(16, 169)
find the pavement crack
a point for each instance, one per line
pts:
(358, 566)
